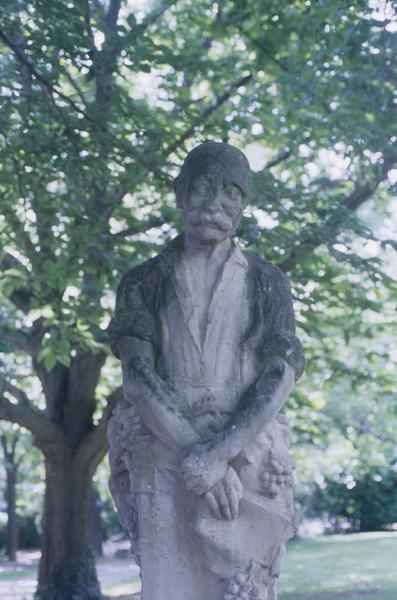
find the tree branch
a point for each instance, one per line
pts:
(18, 339)
(207, 113)
(364, 191)
(31, 67)
(88, 27)
(113, 14)
(9, 450)
(22, 412)
(105, 60)
(3, 440)
(359, 195)
(278, 159)
(76, 86)
(16, 224)
(95, 444)
(17, 393)
(14, 442)
(101, 97)
(10, 262)
(141, 227)
(156, 14)
(21, 297)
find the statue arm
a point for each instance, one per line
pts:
(284, 361)
(119, 481)
(133, 334)
(264, 399)
(156, 399)
(207, 462)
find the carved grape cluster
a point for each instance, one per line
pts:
(242, 586)
(277, 475)
(130, 425)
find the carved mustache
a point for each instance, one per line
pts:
(215, 220)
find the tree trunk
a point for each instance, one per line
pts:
(12, 521)
(67, 567)
(96, 522)
(11, 467)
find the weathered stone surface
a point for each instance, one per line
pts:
(202, 475)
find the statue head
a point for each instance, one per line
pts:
(213, 188)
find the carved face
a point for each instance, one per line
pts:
(213, 209)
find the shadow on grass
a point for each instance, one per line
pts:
(347, 595)
(16, 574)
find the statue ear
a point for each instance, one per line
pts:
(176, 184)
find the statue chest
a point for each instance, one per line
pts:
(208, 353)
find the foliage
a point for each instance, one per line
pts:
(344, 477)
(29, 487)
(367, 502)
(83, 159)
(28, 534)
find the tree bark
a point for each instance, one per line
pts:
(11, 467)
(67, 567)
(96, 522)
(12, 520)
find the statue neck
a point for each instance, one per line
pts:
(208, 251)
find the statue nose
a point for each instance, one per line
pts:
(215, 203)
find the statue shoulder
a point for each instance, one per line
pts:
(135, 314)
(270, 276)
(139, 274)
(150, 273)
(274, 318)
(141, 285)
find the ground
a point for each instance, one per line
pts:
(339, 567)
(118, 576)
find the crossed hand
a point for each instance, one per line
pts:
(208, 476)
(224, 497)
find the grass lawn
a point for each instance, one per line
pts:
(340, 567)
(122, 588)
(347, 567)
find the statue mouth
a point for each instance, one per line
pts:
(215, 223)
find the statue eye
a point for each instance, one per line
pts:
(233, 192)
(200, 188)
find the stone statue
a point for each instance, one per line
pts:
(202, 475)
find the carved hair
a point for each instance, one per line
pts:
(217, 160)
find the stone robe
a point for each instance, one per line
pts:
(184, 552)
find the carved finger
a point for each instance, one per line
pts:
(234, 503)
(234, 483)
(224, 502)
(237, 484)
(213, 505)
(233, 495)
